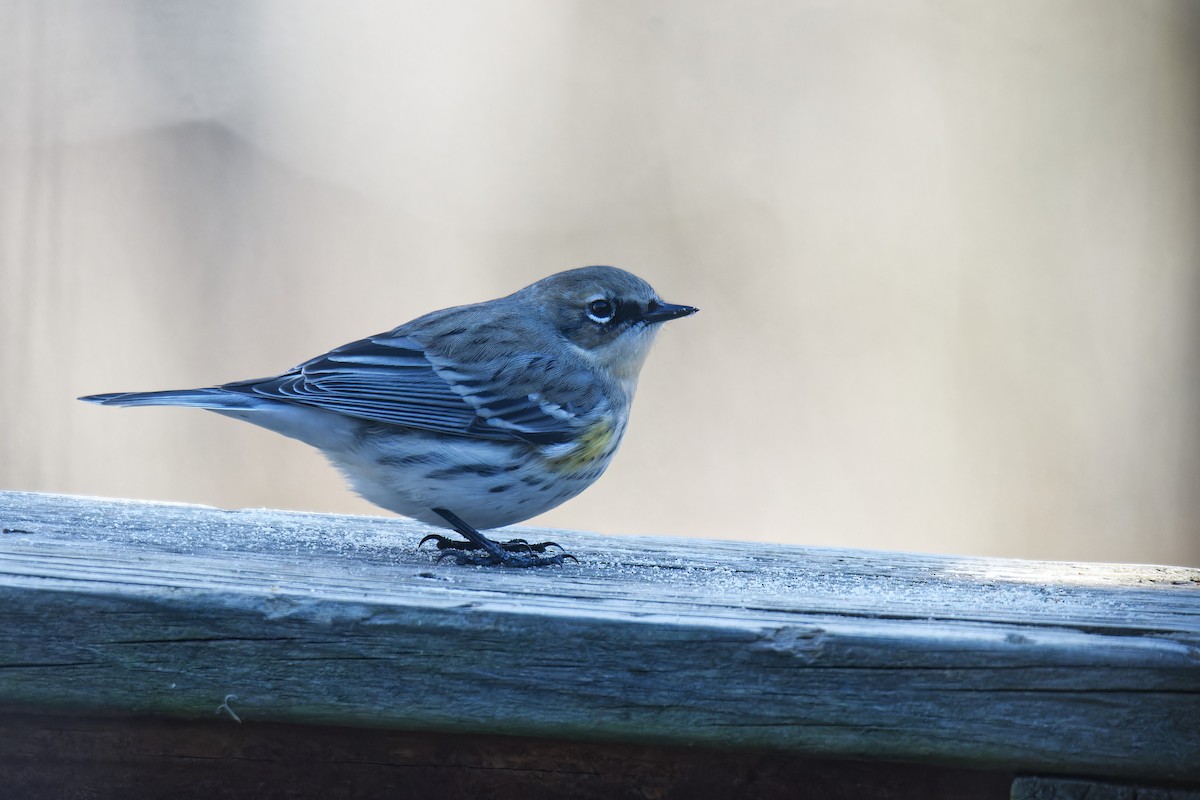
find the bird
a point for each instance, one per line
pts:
(472, 417)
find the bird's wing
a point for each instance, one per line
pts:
(392, 378)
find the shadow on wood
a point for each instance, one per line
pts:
(132, 757)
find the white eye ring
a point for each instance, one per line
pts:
(600, 309)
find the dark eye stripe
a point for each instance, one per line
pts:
(628, 312)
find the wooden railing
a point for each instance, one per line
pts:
(134, 635)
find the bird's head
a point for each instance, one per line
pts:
(608, 315)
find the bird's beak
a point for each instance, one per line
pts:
(665, 311)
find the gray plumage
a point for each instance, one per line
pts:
(535, 386)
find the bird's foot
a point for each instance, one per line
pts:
(513, 553)
(512, 545)
(506, 558)
(480, 551)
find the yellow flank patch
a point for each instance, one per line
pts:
(592, 446)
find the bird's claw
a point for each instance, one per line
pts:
(506, 558)
(511, 546)
(443, 542)
(513, 553)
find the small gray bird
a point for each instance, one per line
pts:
(472, 417)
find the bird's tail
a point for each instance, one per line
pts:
(322, 429)
(213, 398)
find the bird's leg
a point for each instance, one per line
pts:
(513, 553)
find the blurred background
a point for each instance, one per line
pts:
(947, 253)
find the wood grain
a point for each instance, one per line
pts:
(131, 608)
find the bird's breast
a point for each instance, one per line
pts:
(590, 452)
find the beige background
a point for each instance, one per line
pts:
(947, 252)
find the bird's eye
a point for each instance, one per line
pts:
(601, 310)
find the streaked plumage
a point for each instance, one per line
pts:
(494, 412)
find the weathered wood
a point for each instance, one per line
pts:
(122, 758)
(140, 608)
